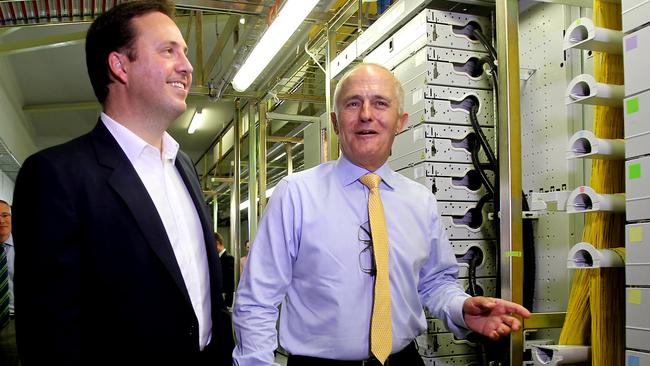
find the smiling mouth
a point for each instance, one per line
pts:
(366, 133)
(178, 85)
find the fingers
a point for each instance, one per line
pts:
(493, 318)
(506, 307)
(512, 322)
(503, 329)
(478, 305)
(513, 308)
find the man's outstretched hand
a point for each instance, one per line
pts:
(493, 317)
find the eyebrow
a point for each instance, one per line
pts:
(371, 97)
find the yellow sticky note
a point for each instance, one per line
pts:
(634, 297)
(636, 234)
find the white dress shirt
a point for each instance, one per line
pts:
(174, 204)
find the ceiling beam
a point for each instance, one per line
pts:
(204, 91)
(59, 40)
(60, 107)
(343, 14)
(76, 106)
(291, 117)
(229, 7)
(198, 72)
(9, 30)
(305, 98)
(293, 140)
(225, 35)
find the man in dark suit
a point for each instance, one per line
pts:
(115, 263)
(227, 269)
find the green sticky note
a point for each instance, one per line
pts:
(634, 297)
(632, 105)
(513, 253)
(635, 171)
(636, 234)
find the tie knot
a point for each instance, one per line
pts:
(370, 180)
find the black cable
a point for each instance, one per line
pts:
(491, 60)
(479, 169)
(527, 230)
(481, 136)
(528, 243)
(481, 38)
(474, 216)
(527, 225)
(492, 70)
(473, 257)
(481, 142)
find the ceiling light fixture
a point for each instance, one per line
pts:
(244, 205)
(197, 119)
(285, 24)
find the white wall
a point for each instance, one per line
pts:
(13, 124)
(6, 188)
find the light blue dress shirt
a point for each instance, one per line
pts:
(311, 256)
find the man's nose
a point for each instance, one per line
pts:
(185, 65)
(365, 112)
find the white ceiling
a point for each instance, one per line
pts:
(52, 85)
(59, 102)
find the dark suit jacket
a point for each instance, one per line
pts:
(228, 274)
(96, 278)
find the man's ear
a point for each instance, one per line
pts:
(335, 123)
(117, 66)
(401, 122)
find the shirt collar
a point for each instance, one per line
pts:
(133, 145)
(9, 241)
(348, 172)
(221, 252)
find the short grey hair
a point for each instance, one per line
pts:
(399, 90)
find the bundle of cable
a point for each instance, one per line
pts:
(597, 295)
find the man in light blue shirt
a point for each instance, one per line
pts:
(313, 251)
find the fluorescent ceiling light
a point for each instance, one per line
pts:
(285, 24)
(197, 119)
(244, 205)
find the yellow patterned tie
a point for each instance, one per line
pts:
(381, 334)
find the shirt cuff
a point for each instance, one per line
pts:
(456, 316)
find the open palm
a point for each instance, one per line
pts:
(493, 317)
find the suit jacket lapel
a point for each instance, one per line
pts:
(126, 182)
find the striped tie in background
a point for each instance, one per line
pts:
(4, 288)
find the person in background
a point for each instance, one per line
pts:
(351, 290)
(244, 259)
(8, 352)
(116, 262)
(227, 269)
